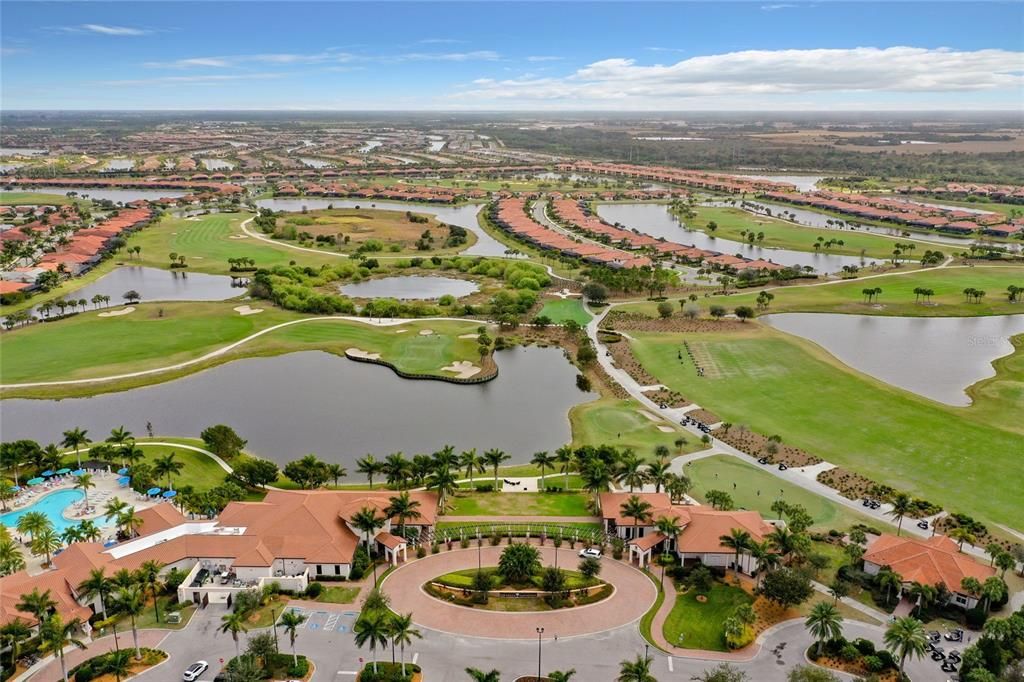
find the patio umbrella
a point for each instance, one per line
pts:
(15, 488)
(153, 491)
(35, 481)
(170, 493)
(78, 472)
(123, 481)
(122, 471)
(65, 470)
(48, 473)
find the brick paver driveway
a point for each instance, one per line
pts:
(634, 594)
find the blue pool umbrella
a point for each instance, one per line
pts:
(123, 481)
(153, 491)
(65, 470)
(48, 473)
(35, 481)
(78, 472)
(15, 488)
(110, 543)
(170, 493)
(122, 471)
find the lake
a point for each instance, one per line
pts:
(464, 215)
(412, 287)
(803, 183)
(312, 401)
(101, 193)
(935, 357)
(657, 221)
(217, 164)
(154, 284)
(118, 165)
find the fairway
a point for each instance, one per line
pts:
(775, 383)
(610, 421)
(563, 310)
(721, 472)
(518, 504)
(39, 198)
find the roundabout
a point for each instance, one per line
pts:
(633, 594)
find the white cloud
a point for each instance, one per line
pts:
(776, 7)
(324, 57)
(543, 58)
(188, 80)
(761, 73)
(475, 56)
(105, 29)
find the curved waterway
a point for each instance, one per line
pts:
(312, 401)
(657, 221)
(935, 357)
(464, 215)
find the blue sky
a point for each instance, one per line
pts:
(512, 56)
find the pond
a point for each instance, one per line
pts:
(21, 151)
(217, 164)
(803, 183)
(291, 405)
(935, 357)
(118, 165)
(412, 287)
(154, 284)
(122, 195)
(464, 215)
(657, 221)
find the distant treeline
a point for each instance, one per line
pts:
(738, 151)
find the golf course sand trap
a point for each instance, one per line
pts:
(117, 313)
(357, 353)
(401, 331)
(246, 310)
(464, 369)
(650, 416)
(239, 236)
(193, 219)
(666, 429)
(426, 332)
(470, 336)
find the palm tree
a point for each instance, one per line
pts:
(443, 481)
(56, 635)
(33, 523)
(658, 473)
(544, 460)
(122, 438)
(125, 578)
(46, 541)
(129, 601)
(402, 633)
(167, 466)
(369, 466)
(478, 675)
(89, 531)
(233, 623)
(992, 590)
(637, 670)
(13, 633)
(71, 534)
(961, 534)
(76, 438)
(824, 622)
(597, 479)
(397, 469)
(566, 460)
(291, 620)
(889, 581)
(83, 483)
(403, 508)
(98, 584)
(368, 523)
(113, 509)
(149, 578)
(767, 560)
(901, 505)
(39, 604)
(372, 629)
(631, 472)
(561, 675)
(336, 471)
(472, 463)
(637, 509)
(906, 637)
(129, 521)
(11, 558)
(739, 541)
(495, 458)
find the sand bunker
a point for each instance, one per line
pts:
(463, 369)
(239, 236)
(650, 416)
(666, 429)
(117, 313)
(246, 310)
(470, 336)
(357, 353)
(426, 332)
(401, 331)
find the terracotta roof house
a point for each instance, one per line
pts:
(935, 561)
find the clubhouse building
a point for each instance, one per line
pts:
(289, 538)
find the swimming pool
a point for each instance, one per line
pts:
(52, 505)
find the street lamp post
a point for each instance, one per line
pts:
(273, 612)
(540, 631)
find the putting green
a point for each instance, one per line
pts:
(562, 310)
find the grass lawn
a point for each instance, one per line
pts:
(720, 472)
(147, 619)
(519, 504)
(611, 421)
(464, 578)
(775, 383)
(338, 595)
(562, 310)
(471, 527)
(783, 235)
(200, 472)
(38, 198)
(700, 624)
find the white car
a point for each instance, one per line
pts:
(193, 672)
(591, 553)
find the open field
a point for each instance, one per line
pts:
(89, 346)
(721, 472)
(776, 383)
(610, 421)
(26, 198)
(783, 235)
(562, 310)
(518, 504)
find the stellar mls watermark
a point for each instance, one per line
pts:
(987, 340)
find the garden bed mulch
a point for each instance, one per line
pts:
(849, 483)
(754, 444)
(667, 397)
(705, 417)
(625, 321)
(854, 668)
(624, 359)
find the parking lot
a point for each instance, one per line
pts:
(325, 622)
